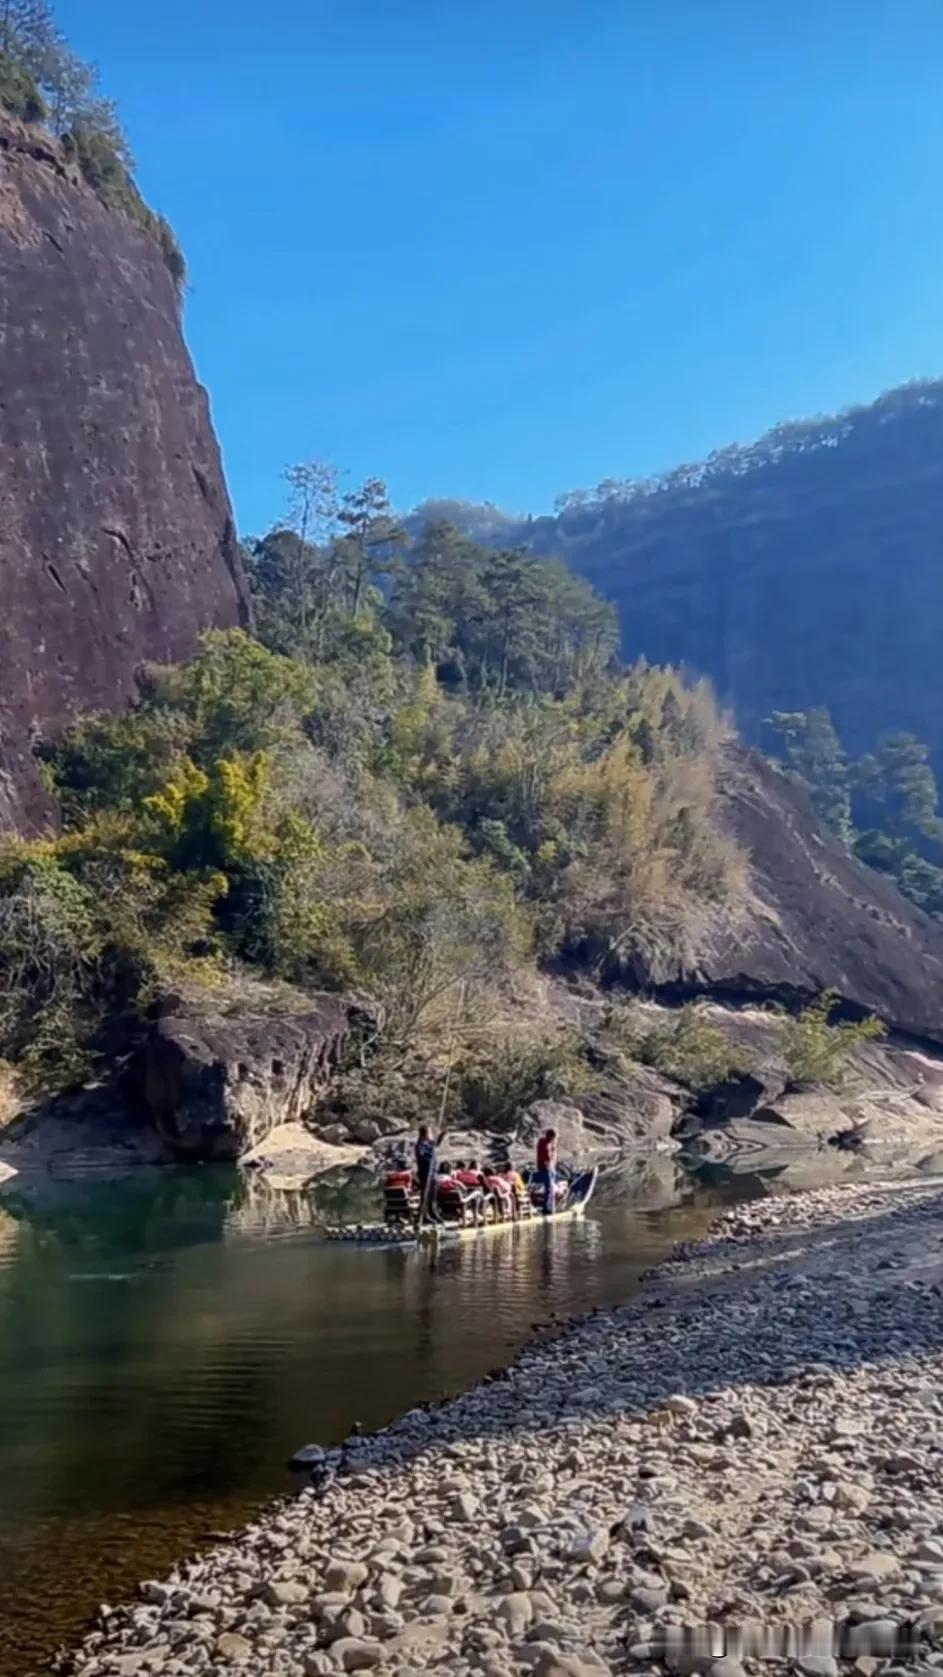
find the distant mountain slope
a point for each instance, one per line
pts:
(806, 569)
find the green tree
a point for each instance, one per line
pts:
(70, 87)
(312, 520)
(812, 749)
(512, 620)
(19, 93)
(816, 1048)
(50, 945)
(28, 34)
(430, 592)
(235, 696)
(922, 882)
(579, 630)
(371, 533)
(896, 789)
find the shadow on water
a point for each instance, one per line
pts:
(168, 1339)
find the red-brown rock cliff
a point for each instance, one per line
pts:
(117, 544)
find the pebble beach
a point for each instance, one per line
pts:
(744, 1462)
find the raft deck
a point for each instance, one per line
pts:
(405, 1236)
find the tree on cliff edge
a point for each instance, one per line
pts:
(27, 33)
(30, 39)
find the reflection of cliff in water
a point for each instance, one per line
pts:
(744, 1172)
(645, 1181)
(9, 1237)
(150, 1207)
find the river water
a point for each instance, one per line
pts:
(168, 1340)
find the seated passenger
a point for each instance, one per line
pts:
(445, 1177)
(473, 1181)
(466, 1182)
(502, 1194)
(515, 1182)
(400, 1201)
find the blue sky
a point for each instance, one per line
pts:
(506, 248)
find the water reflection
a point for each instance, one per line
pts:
(167, 1341)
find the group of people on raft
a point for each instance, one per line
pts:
(483, 1193)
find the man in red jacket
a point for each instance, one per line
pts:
(547, 1168)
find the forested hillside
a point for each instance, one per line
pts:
(883, 805)
(805, 570)
(414, 792)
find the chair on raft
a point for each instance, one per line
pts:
(400, 1197)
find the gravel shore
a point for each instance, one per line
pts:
(754, 1443)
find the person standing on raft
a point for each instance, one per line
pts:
(427, 1152)
(547, 1169)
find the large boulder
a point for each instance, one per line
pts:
(291, 1155)
(87, 1130)
(887, 1105)
(632, 1109)
(215, 1088)
(741, 1096)
(560, 1115)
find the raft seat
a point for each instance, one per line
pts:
(400, 1198)
(453, 1203)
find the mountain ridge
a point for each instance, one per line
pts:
(797, 571)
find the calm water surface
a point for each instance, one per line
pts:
(168, 1340)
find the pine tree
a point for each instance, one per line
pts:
(312, 519)
(371, 534)
(812, 749)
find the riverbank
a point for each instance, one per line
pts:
(756, 1436)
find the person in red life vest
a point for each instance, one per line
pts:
(500, 1188)
(448, 1183)
(547, 1168)
(492, 1187)
(473, 1182)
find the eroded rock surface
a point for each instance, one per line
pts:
(815, 917)
(214, 1088)
(117, 543)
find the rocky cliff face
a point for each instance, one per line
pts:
(117, 543)
(815, 918)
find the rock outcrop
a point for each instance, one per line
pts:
(216, 1088)
(634, 1108)
(117, 543)
(885, 1102)
(815, 918)
(87, 1131)
(291, 1155)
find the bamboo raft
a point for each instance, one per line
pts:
(405, 1235)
